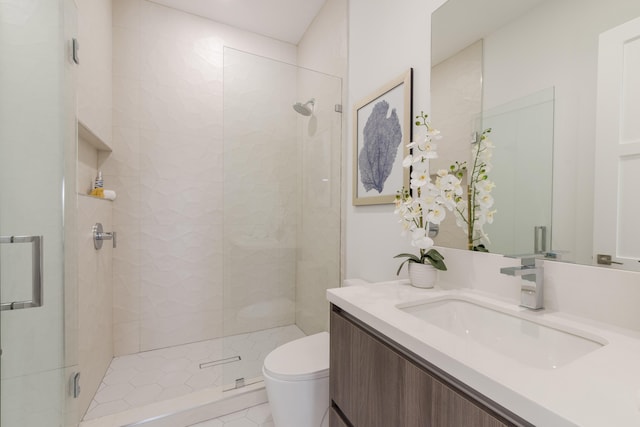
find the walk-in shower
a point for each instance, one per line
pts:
(228, 216)
(243, 240)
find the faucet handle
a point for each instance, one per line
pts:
(526, 260)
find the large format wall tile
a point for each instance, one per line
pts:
(215, 227)
(323, 48)
(126, 102)
(167, 168)
(95, 296)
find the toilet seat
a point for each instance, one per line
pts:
(300, 360)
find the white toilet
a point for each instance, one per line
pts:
(296, 376)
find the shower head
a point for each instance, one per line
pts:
(305, 109)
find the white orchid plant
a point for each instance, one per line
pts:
(426, 202)
(474, 211)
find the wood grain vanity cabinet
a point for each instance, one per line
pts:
(374, 382)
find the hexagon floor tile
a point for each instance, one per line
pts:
(139, 379)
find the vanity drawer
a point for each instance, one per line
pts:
(375, 382)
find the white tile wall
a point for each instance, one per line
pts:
(261, 190)
(87, 166)
(323, 48)
(95, 296)
(167, 169)
(94, 71)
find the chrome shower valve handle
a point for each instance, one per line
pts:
(99, 235)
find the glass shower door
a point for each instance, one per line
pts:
(34, 127)
(281, 207)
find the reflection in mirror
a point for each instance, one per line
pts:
(456, 101)
(522, 131)
(522, 49)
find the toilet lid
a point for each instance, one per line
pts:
(303, 359)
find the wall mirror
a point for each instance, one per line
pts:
(529, 70)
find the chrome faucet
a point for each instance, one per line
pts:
(531, 292)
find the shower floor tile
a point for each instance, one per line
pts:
(139, 379)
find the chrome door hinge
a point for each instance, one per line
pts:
(75, 385)
(75, 47)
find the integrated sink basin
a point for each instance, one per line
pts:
(527, 341)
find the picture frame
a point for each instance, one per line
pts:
(382, 128)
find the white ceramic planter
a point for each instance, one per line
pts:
(422, 275)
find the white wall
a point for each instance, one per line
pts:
(385, 39)
(372, 236)
(323, 46)
(94, 303)
(94, 77)
(167, 82)
(95, 296)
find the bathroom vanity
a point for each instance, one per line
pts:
(402, 356)
(376, 382)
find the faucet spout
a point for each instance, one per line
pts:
(531, 290)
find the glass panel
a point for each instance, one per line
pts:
(281, 207)
(33, 123)
(522, 131)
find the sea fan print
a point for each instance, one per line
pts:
(382, 136)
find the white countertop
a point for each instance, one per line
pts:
(599, 389)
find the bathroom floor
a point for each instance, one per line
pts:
(251, 417)
(143, 378)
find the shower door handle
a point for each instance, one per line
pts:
(36, 272)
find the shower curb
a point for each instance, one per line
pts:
(186, 410)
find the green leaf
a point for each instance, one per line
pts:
(436, 259)
(401, 265)
(432, 253)
(437, 263)
(410, 258)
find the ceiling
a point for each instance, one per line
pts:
(285, 20)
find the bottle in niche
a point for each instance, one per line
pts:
(99, 182)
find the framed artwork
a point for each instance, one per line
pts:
(381, 132)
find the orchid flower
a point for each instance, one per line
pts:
(430, 200)
(472, 214)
